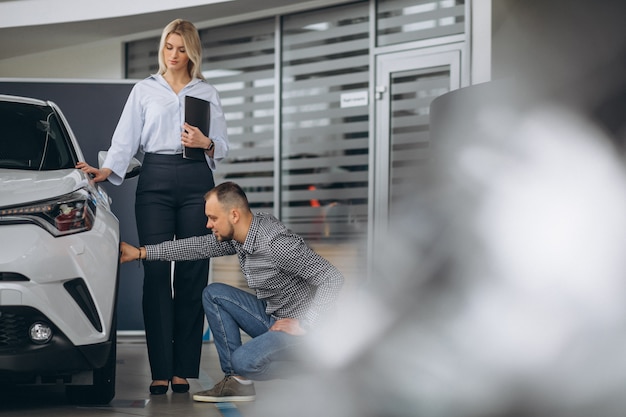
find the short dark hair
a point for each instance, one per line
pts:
(229, 194)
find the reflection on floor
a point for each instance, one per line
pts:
(132, 397)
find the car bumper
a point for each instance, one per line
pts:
(21, 360)
(48, 266)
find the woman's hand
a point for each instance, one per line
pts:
(192, 137)
(98, 175)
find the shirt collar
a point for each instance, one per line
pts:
(248, 245)
(159, 78)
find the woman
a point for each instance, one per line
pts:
(169, 199)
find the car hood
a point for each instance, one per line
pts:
(19, 187)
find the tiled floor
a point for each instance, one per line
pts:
(132, 397)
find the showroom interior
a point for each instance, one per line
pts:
(441, 153)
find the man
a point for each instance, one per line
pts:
(294, 286)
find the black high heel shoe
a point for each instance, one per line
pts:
(158, 389)
(180, 388)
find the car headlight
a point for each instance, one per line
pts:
(71, 213)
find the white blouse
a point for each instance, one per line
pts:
(152, 122)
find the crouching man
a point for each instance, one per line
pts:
(293, 287)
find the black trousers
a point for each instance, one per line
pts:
(169, 205)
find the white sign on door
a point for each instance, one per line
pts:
(354, 99)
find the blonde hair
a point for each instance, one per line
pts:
(193, 46)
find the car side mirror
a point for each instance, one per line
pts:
(134, 168)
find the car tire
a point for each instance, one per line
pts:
(103, 389)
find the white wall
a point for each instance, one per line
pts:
(18, 13)
(100, 60)
(481, 41)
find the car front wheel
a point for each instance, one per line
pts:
(103, 389)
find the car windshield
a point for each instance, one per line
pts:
(31, 138)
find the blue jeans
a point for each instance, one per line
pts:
(268, 355)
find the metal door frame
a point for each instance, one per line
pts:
(386, 65)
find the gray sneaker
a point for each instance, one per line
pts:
(227, 390)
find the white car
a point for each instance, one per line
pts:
(59, 258)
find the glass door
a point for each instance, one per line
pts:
(406, 84)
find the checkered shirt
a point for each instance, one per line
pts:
(291, 278)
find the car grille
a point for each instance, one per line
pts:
(13, 330)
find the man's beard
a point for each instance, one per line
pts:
(227, 236)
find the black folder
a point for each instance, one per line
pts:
(198, 114)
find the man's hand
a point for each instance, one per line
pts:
(128, 252)
(289, 326)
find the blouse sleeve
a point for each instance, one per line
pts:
(126, 138)
(218, 132)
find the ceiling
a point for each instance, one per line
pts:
(18, 41)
